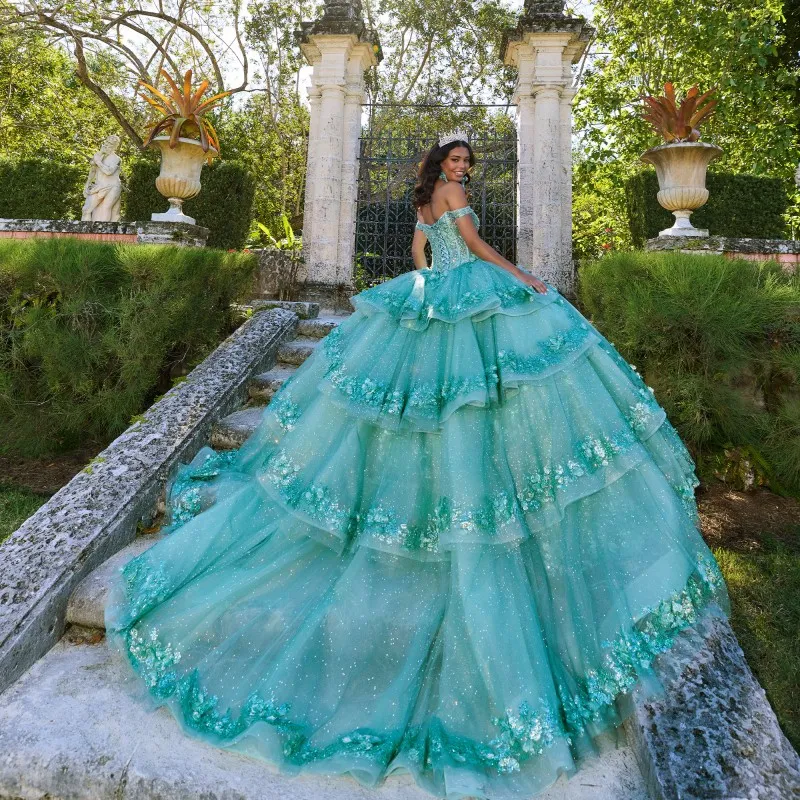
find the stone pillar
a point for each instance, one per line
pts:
(314, 100)
(526, 178)
(340, 48)
(543, 47)
(354, 98)
(566, 180)
(324, 185)
(548, 199)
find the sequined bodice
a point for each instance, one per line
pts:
(447, 244)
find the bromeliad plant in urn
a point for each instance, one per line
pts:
(681, 162)
(186, 139)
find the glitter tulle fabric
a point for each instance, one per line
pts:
(461, 534)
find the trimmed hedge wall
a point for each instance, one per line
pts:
(738, 205)
(719, 341)
(91, 333)
(224, 205)
(41, 189)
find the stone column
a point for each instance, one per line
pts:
(566, 183)
(359, 61)
(526, 177)
(548, 197)
(340, 48)
(325, 183)
(543, 47)
(314, 99)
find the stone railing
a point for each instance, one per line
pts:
(785, 251)
(97, 512)
(177, 233)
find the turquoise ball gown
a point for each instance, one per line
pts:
(461, 534)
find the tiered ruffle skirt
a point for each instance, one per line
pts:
(461, 534)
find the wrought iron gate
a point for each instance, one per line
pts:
(385, 215)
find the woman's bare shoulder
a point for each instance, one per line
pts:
(455, 195)
(449, 195)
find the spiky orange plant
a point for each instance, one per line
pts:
(184, 112)
(679, 123)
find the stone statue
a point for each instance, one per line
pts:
(103, 189)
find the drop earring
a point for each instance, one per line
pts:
(443, 176)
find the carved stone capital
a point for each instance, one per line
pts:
(340, 18)
(329, 88)
(568, 94)
(547, 90)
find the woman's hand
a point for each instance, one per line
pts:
(530, 280)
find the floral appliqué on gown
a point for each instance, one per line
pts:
(455, 544)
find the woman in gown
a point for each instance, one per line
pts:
(455, 544)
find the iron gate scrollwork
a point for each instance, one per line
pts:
(385, 215)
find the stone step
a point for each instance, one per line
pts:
(296, 351)
(303, 309)
(318, 328)
(263, 386)
(88, 601)
(232, 431)
(71, 728)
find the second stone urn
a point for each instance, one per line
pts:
(681, 170)
(179, 178)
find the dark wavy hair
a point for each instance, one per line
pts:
(430, 168)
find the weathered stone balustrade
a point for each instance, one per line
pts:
(785, 251)
(177, 233)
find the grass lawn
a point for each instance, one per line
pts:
(16, 505)
(765, 596)
(755, 537)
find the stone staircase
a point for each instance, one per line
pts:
(74, 726)
(87, 602)
(232, 431)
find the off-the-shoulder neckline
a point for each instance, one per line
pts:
(444, 214)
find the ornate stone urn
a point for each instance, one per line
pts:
(681, 170)
(181, 157)
(179, 178)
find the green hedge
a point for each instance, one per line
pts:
(224, 205)
(41, 189)
(719, 341)
(91, 333)
(738, 205)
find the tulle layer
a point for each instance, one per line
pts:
(470, 595)
(476, 289)
(482, 478)
(403, 379)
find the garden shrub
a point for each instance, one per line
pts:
(224, 205)
(738, 206)
(91, 333)
(41, 189)
(719, 341)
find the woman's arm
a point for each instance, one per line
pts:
(418, 249)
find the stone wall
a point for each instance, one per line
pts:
(785, 251)
(280, 276)
(177, 233)
(713, 733)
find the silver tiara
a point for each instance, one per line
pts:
(453, 136)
